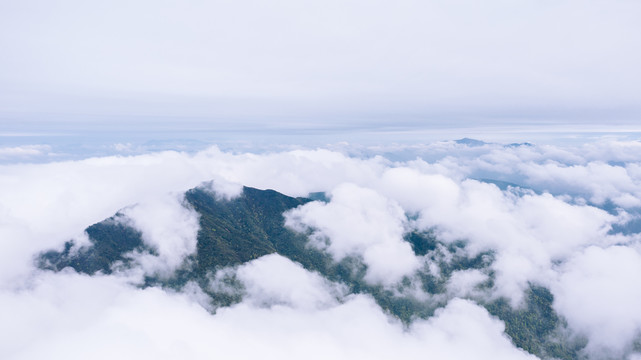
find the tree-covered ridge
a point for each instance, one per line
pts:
(235, 231)
(110, 241)
(242, 229)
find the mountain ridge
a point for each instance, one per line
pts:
(238, 230)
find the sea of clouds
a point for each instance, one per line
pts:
(569, 225)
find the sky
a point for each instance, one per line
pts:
(200, 69)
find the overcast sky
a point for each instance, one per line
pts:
(312, 65)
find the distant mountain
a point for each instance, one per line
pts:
(523, 144)
(233, 232)
(475, 142)
(470, 142)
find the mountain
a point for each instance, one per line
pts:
(470, 142)
(233, 232)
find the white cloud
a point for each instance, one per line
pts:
(463, 320)
(598, 180)
(223, 189)
(359, 222)
(169, 226)
(416, 191)
(598, 171)
(463, 283)
(295, 173)
(71, 316)
(598, 292)
(527, 232)
(120, 147)
(24, 151)
(47, 204)
(275, 280)
(613, 150)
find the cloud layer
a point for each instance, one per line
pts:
(554, 239)
(130, 323)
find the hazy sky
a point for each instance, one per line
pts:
(311, 65)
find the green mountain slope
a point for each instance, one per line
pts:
(251, 225)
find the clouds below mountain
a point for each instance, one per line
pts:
(103, 317)
(552, 239)
(597, 286)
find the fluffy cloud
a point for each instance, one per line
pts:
(360, 222)
(598, 180)
(528, 233)
(71, 316)
(169, 226)
(598, 292)
(22, 152)
(596, 172)
(45, 205)
(296, 173)
(275, 280)
(464, 283)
